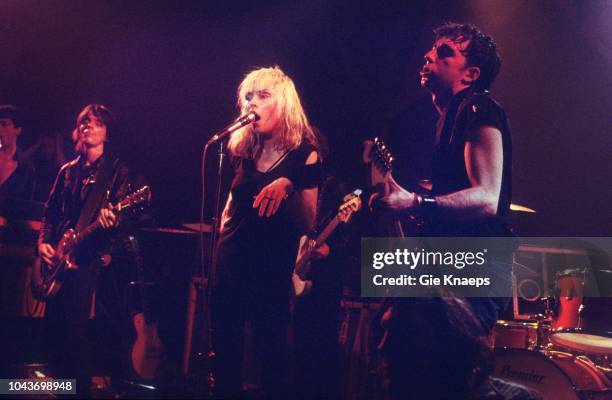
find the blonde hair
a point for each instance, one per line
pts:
(295, 128)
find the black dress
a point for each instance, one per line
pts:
(254, 263)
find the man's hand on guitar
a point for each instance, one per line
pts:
(107, 218)
(320, 252)
(47, 252)
(308, 245)
(396, 200)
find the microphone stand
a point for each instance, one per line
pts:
(209, 280)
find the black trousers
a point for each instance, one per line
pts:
(315, 332)
(255, 289)
(80, 347)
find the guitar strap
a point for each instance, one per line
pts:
(105, 179)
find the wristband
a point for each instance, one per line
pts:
(427, 204)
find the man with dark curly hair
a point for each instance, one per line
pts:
(471, 166)
(16, 171)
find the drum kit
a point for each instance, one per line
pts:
(565, 353)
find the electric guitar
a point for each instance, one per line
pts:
(380, 161)
(301, 286)
(148, 351)
(48, 278)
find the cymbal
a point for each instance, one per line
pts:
(206, 228)
(520, 208)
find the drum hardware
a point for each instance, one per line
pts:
(521, 335)
(527, 289)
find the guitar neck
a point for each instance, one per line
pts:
(322, 237)
(301, 266)
(87, 231)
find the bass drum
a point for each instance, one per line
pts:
(555, 375)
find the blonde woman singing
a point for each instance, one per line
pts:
(272, 201)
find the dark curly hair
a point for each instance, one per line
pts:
(481, 51)
(13, 113)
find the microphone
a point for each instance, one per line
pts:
(240, 122)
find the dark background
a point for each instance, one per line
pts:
(170, 71)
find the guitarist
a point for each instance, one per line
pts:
(316, 314)
(80, 194)
(472, 157)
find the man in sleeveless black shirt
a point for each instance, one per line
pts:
(471, 166)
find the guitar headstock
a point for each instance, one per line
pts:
(141, 197)
(382, 156)
(352, 204)
(377, 153)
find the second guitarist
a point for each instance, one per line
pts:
(80, 195)
(316, 315)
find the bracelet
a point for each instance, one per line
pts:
(428, 203)
(291, 192)
(418, 200)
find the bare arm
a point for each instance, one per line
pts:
(225, 214)
(484, 164)
(302, 205)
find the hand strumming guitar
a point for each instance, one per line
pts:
(107, 219)
(396, 200)
(47, 252)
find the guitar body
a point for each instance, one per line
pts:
(302, 264)
(301, 285)
(50, 277)
(147, 353)
(301, 268)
